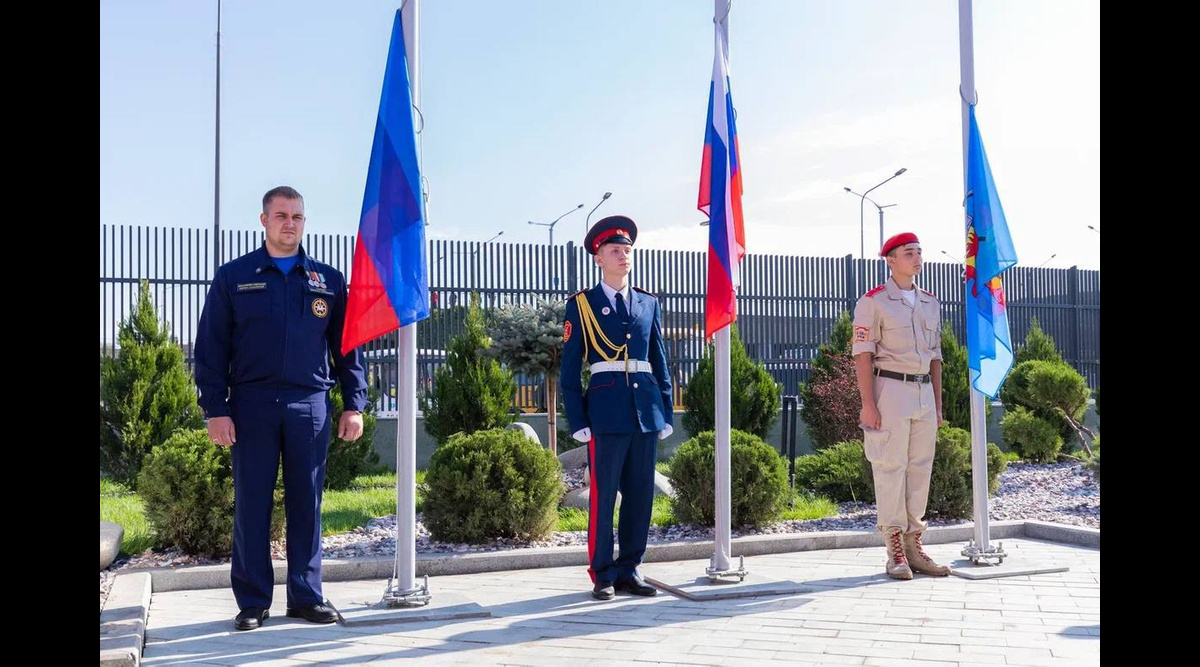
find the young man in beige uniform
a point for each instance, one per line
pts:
(898, 361)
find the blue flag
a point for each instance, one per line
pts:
(390, 275)
(989, 252)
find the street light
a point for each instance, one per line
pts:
(476, 250)
(862, 251)
(1047, 260)
(587, 223)
(876, 204)
(551, 224)
(1093, 229)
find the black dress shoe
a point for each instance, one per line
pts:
(250, 618)
(604, 592)
(636, 586)
(317, 613)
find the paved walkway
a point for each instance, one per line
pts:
(854, 616)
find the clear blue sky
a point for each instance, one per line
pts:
(534, 107)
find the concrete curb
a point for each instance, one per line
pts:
(123, 621)
(444, 564)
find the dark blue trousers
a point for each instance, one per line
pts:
(294, 426)
(623, 462)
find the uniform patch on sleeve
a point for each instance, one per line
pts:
(566, 331)
(862, 334)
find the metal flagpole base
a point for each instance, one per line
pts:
(716, 575)
(410, 597)
(980, 556)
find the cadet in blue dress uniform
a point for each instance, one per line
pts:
(271, 324)
(627, 408)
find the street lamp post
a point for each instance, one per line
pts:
(587, 223)
(862, 251)
(551, 224)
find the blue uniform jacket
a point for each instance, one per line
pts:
(611, 404)
(263, 332)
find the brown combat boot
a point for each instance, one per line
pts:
(896, 564)
(918, 560)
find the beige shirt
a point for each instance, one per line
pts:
(902, 338)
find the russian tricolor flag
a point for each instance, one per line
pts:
(390, 285)
(721, 195)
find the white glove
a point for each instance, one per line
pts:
(582, 435)
(666, 432)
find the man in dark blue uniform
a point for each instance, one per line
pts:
(627, 407)
(271, 323)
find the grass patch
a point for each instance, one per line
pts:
(571, 518)
(807, 507)
(128, 511)
(369, 496)
(343, 511)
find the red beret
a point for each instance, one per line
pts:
(897, 241)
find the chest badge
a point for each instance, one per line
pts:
(320, 308)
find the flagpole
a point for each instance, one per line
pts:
(722, 538)
(405, 591)
(720, 565)
(981, 548)
(217, 158)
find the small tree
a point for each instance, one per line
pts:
(187, 487)
(146, 392)
(838, 344)
(837, 472)
(830, 402)
(956, 382)
(1038, 345)
(1054, 392)
(753, 393)
(757, 476)
(1059, 389)
(491, 484)
(1034, 438)
(471, 391)
(529, 339)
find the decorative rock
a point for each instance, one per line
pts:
(111, 535)
(573, 459)
(526, 429)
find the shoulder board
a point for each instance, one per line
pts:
(875, 291)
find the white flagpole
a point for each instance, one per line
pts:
(982, 546)
(405, 590)
(720, 564)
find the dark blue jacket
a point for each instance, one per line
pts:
(265, 333)
(613, 404)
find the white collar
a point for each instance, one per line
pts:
(612, 294)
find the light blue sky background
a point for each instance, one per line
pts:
(533, 107)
